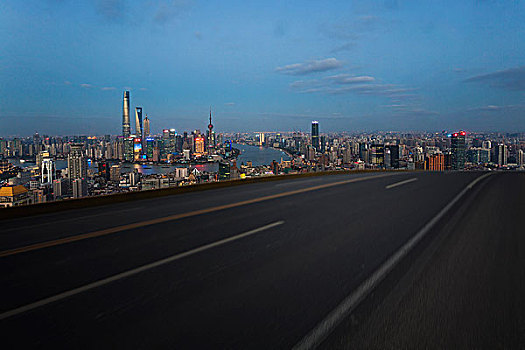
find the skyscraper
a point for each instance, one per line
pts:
(315, 135)
(125, 116)
(458, 150)
(48, 171)
(501, 154)
(210, 136)
(138, 122)
(377, 154)
(146, 126)
(76, 162)
(394, 156)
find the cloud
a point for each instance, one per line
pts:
(348, 79)
(345, 83)
(327, 84)
(310, 67)
(107, 88)
(495, 108)
(86, 86)
(510, 79)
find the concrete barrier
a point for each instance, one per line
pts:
(69, 204)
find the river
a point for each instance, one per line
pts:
(259, 155)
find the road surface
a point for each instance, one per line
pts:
(263, 265)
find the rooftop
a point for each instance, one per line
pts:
(10, 191)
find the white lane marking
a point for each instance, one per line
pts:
(132, 272)
(401, 183)
(314, 338)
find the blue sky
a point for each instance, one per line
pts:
(272, 65)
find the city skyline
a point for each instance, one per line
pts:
(354, 66)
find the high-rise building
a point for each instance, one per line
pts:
(146, 127)
(60, 188)
(48, 171)
(199, 145)
(114, 173)
(137, 149)
(79, 188)
(138, 122)
(377, 154)
(37, 143)
(103, 169)
(76, 162)
(224, 171)
(211, 142)
(520, 159)
(128, 149)
(126, 124)
(261, 139)
(150, 145)
(435, 162)
(394, 156)
(501, 154)
(315, 135)
(458, 150)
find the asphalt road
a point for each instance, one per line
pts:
(261, 265)
(465, 289)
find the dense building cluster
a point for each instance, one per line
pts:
(46, 168)
(390, 150)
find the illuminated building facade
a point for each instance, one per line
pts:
(128, 149)
(435, 162)
(48, 171)
(199, 145)
(150, 145)
(138, 122)
(377, 154)
(457, 142)
(12, 196)
(137, 149)
(224, 171)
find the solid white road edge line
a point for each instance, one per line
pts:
(132, 272)
(328, 324)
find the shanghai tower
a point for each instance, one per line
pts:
(125, 115)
